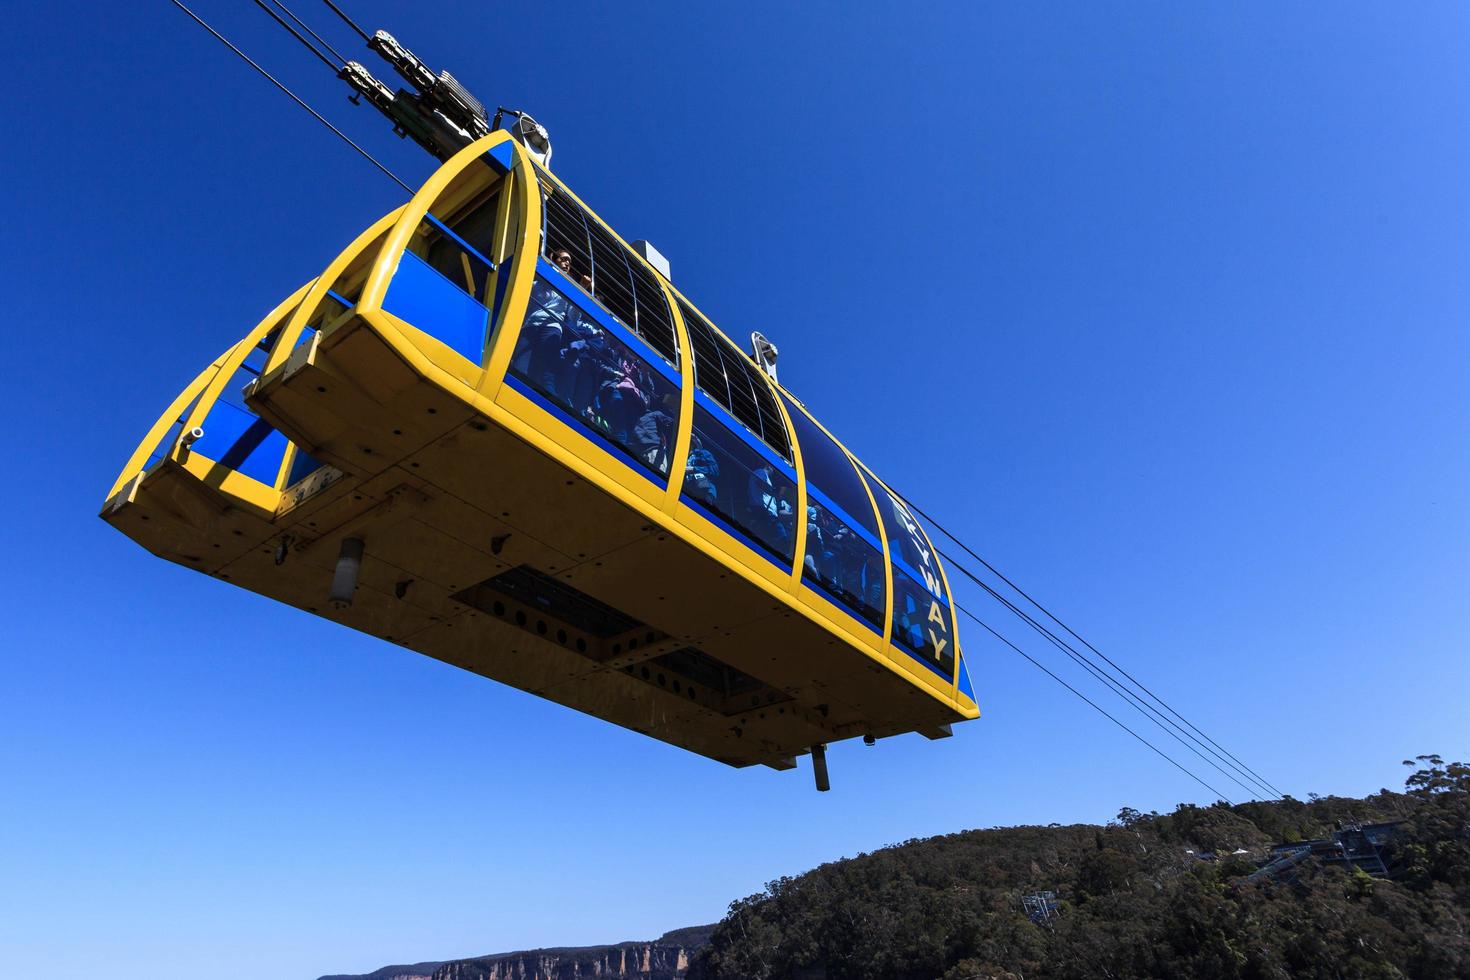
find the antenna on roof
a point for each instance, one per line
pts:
(765, 353)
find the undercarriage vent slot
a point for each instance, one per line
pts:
(536, 589)
(733, 690)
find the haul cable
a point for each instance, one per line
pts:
(294, 97)
(1098, 708)
(1256, 776)
(1133, 700)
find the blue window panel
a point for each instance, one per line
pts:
(727, 475)
(595, 376)
(729, 423)
(715, 518)
(421, 296)
(243, 442)
(617, 451)
(920, 625)
(841, 562)
(908, 547)
(605, 320)
(815, 494)
(828, 468)
(966, 688)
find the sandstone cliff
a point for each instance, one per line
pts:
(665, 958)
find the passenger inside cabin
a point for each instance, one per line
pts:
(908, 625)
(701, 472)
(621, 401)
(769, 509)
(562, 259)
(539, 353)
(653, 436)
(569, 357)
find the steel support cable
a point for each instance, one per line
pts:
(1054, 618)
(294, 97)
(1095, 706)
(317, 37)
(348, 20)
(297, 35)
(1133, 700)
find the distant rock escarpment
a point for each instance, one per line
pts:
(412, 971)
(665, 958)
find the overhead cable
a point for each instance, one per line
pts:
(1255, 776)
(294, 97)
(302, 24)
(349, 21)
(1133, 700)
(1096, 707)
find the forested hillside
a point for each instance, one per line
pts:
(1149, 895)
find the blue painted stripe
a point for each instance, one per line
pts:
(918, 579)
(499, 158)
(821, 590)
(422, 296)
(719, 520)
(745, 435)
(607, 321)
(463, 244)
(240, 440)
(838, 512)
(615, 450)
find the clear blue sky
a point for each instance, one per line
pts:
(1163, 306)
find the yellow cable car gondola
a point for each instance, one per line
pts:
(494, 433)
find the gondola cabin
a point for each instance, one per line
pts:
(493, 433)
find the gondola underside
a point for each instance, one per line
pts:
(483, 552)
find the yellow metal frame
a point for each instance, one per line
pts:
(482, 388)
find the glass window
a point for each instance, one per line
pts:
(733, 382)
(609, 271)
(922, 621)
(907, 542)
(566, 356)
(454, 258)
(920, 624)
(847, 565)
(842, 563)
(829, 469)
(730, 478)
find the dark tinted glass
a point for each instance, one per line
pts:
(920, 624)
(842, 563)
(733, 480)
(829, 469)
(922, 621)
(906, 540)
(728, 377)
(564, 354)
